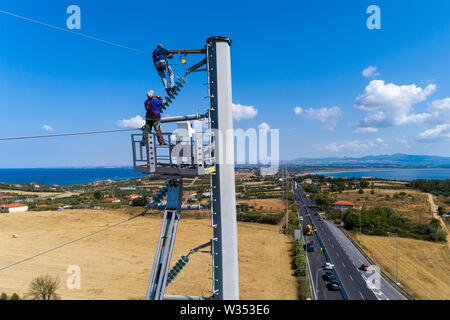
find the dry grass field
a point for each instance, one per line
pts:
(424, 268)
(116, 264)
(414, 205)
(40, 194)
(265, 205)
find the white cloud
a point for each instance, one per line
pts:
(440, 111)
(355, 145)
(328, 116)
(241, 112)
(133, 123)
(298, 110)
(48, 128)
(365, 130)
(440, 119)
(370, 71)
(390, 105)
(264, 126)
(439, 132)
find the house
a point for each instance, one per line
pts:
(132, 196)
(344, 205)
(324, 187)
(13, 207)
(6, 197)
(308, 181)
(190, 195)
(112, 200)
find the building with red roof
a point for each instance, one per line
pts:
(112, 200)
(344, 205)
(13, 207)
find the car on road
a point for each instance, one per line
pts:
(329, 275)
(334, 285)
(364, 267)
(328, 266)
(310, 246)
(320, 219)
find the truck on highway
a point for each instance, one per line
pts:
(309, 230)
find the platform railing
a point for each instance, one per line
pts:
(180, 155)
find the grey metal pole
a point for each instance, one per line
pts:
(182, 118)
(225, 255)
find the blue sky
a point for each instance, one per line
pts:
(296, 66)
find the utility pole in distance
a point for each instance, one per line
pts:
(224, 244)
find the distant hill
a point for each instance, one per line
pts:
(397, 160)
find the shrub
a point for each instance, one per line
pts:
(3, 296)
(299, 259)
(140, 202)
(258, 217)
(14, 296)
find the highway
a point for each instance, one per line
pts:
(344, 255)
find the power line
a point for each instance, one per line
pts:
(163, 120)
(76, 33)
(66, 134)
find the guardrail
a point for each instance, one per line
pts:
(311, 280)
(389, 279)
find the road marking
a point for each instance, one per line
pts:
(343, 264)
(361, 294)
(351, 277)
(337, 253)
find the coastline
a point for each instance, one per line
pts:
(401, 174)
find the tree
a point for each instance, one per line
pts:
(98, 195)
(364, 184)
(360, 191)
(44, 288)
(3, 296)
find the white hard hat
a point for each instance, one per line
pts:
(150, 94)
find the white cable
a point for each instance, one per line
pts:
(73, 32)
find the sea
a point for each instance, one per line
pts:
(63, 176)
(394, 174)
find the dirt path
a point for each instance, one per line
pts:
(434, 210)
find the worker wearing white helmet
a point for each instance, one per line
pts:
(153, 117)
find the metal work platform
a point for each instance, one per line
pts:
(181, 156)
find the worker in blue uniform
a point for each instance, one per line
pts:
(153, 117)
(160, 56)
